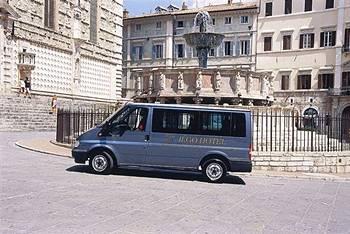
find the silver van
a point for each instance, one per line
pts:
(181, 137)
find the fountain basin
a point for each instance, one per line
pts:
(203, 40)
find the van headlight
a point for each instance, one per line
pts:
(76, 144)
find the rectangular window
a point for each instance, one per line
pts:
(268, 9)
(329, 4)
(345, 80)
(347, 40)
(93, 21)
(49, 15)
(213, 21)
(227, 20)
(159, 25)
(158, 51)
(138, 52)
(306, 40)
(238, 123)
(194, 53)
(180, 24)
(212, 52)
(287, 7)
(326, 81)
(244, 19)
(245, 47)
(287, 41)
(180, 50)
(213, 123)
(328, 38)
(285, 82)
(304, 81)
(308, 5)
(228, 48)
(175, 121)
(138, 27)
(267, 43)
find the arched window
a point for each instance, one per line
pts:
(310, 116)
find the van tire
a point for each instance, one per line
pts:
(214, 170)
(101, 162)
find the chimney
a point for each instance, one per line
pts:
(125, 13)
(229, 2)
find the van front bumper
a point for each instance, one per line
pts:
(80, 156)
(241, 166)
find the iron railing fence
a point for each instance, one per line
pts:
(71, 124)
(274, 131)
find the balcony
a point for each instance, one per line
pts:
(343, 91)
(26, 60)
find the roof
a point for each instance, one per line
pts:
(210, 8)
(188, 106)
(4, 6)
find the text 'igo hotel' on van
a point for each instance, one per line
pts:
(303, 44)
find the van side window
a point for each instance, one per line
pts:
(174, 121)
(238, 128)
(135, 119)
(215, 123)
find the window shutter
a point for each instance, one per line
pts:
(334, 38)
(234, 52)
(322, 39)
(141, 52)
(221, 49)
(248, 47)
(93, 21)
(153, 52)
(238, 45)
(133, 53)
(46, 13)
(231, 48)
(176, 51)
(301, 41)
(312, 40)
(52, 14)
(319, 81)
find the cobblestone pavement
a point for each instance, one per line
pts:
(47, 194)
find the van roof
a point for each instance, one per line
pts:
(189, 106)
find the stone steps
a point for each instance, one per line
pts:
(26, 114)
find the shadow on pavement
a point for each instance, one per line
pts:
(159, 174)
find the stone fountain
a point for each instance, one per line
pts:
(203, 85)
(203, 40)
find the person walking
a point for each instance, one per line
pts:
(27, 87)
(22, 87)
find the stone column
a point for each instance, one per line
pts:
(169, 43)
(150, 84)
(339, 44)
(180, 82)
(249, 83)
(217, 81)
(199, 81)
(138, 84)
(77, 41)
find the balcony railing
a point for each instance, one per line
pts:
(26, 59)
(343, 91)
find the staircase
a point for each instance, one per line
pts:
(26, 114)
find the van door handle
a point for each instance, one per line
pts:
(147, 138)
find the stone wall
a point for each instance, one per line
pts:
(316, 162)
(34, 114)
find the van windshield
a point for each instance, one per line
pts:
(112, 117)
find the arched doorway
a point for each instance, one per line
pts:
(310, 118)
(346, 124)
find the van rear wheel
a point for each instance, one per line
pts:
(101, 162)
(214, 170)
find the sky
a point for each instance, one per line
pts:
(138, 7)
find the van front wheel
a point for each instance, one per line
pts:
(214, 170)
(101, 163)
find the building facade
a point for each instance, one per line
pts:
(156, 41)
(68, 48)
(305, 45)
